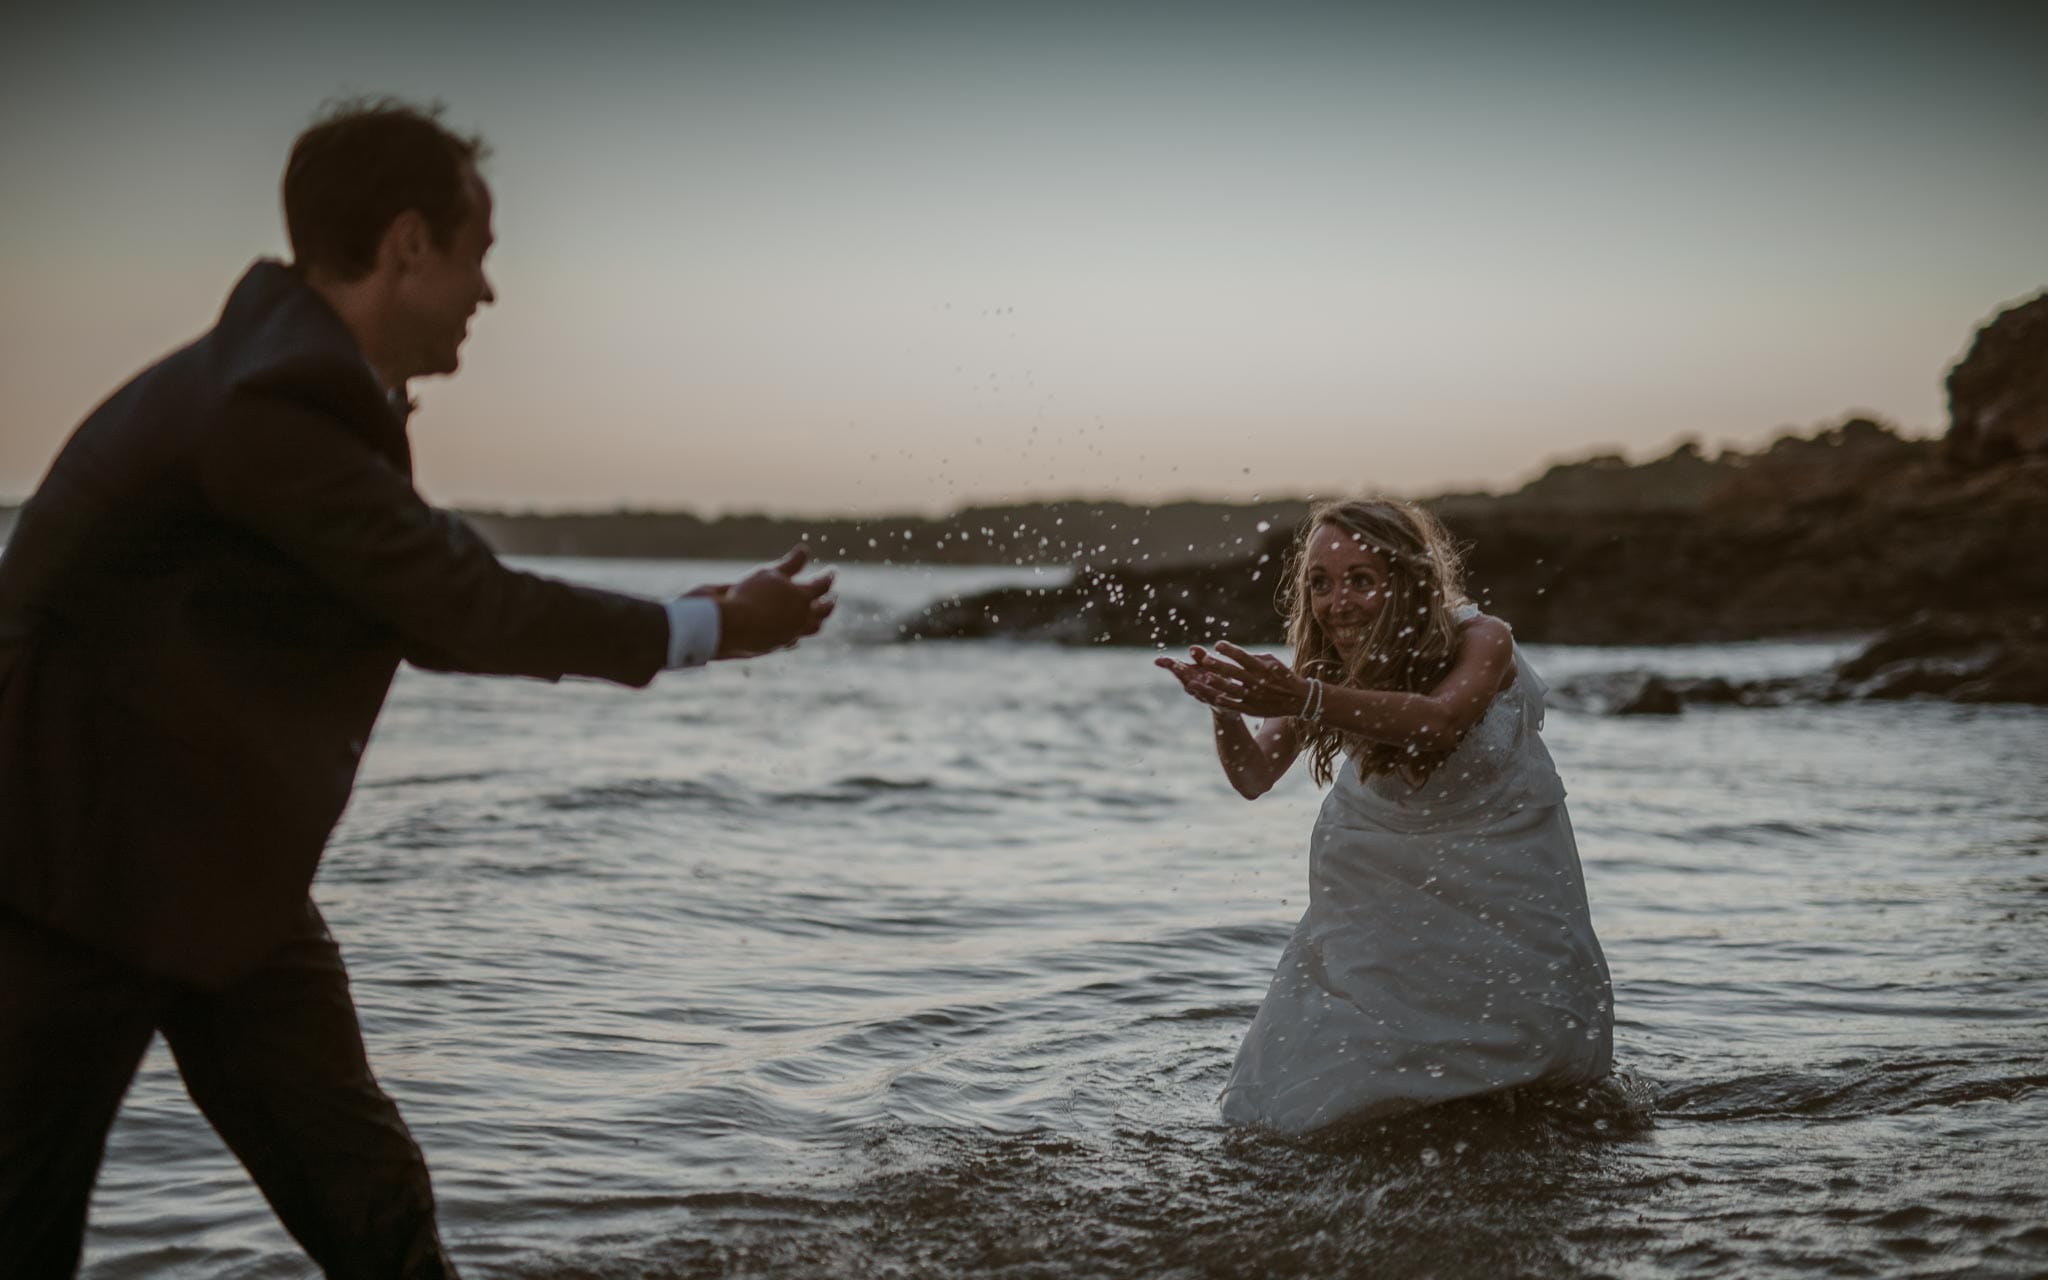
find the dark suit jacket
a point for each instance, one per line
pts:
(201, 609)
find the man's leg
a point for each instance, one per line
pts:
(73, 1026)
(276, 1062)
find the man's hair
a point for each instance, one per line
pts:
(363, 162)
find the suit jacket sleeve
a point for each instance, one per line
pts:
(317, 490)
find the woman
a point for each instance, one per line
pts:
(1447, 950)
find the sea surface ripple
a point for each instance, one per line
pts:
(929, 959)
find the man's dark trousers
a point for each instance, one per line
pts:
(275, 1061)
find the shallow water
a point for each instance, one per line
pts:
(929, 959)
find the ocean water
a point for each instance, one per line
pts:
(879, 959)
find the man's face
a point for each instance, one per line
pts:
(443, 287)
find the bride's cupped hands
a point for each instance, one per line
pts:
(1232, 679)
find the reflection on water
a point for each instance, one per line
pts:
(930, 959)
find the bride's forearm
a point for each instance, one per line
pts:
(1248, 763)
(1399, 719)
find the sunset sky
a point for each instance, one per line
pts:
(859, 258)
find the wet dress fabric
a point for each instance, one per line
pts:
(1447, 950)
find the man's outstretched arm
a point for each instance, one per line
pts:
(317, 491)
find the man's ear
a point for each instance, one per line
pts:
(406, 241)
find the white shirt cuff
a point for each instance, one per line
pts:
(692, 631)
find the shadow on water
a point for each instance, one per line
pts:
(1498, 1187)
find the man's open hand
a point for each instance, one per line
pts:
(769, 609)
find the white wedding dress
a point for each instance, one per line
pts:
(1447, 950)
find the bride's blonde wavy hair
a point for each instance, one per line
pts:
(1412, 643)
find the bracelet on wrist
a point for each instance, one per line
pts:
(1312, 704)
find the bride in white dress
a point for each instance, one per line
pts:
(1447, 950)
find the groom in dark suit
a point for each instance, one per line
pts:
(201, 609)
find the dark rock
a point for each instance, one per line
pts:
(1998, 392)
(1711, 690)
(1618, 693)
(1024, 613)
(1964, 658)
(1679, 481)
(1597, 693)
(2000, 657)
(1914, 677)
(1925, 635)
(2019, 674)
(1652, 697)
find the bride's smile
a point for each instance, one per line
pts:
(1346, 587)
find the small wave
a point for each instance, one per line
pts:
(1769, 832)
(873, 782)
(857, 789)
(1477, 1192)
(425, 780)
(733, 1202)
(636, 792)
(927, 796)
(884, 794)
(1858, 1088)
(1239, 1013)
(1231, 940)
(1617, 1106)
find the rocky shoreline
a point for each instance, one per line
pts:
(1938, 545)
(1960, 658)
(1778, 552)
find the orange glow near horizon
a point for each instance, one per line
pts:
(910, 264)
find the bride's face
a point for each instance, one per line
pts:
(1347, 586)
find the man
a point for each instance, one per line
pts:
(201, 609)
